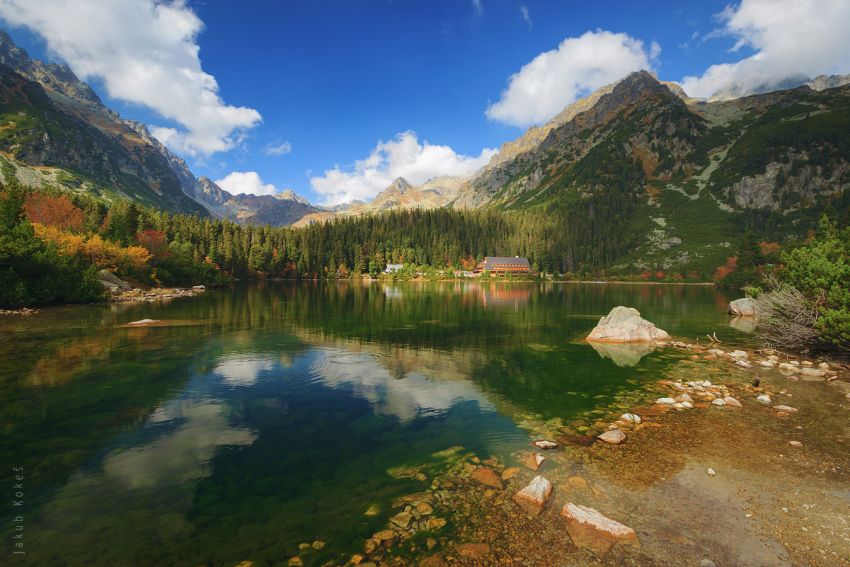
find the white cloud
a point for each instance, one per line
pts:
(402, 156)
(526, 15)
(479, 8)
(791, 39)
(277, 148)
(246, 182)
(580, 65)
(243, 370)
(145, 52)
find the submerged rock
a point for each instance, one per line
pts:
(509, 473)
(544, 444)
(533, 461)
(487, 477)
(533, 497)
(625, 325)
(744, 307)
(592, 530)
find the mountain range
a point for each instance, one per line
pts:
(698, 172)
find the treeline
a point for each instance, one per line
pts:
(151, 247)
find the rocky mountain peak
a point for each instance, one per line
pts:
(290, 195)
(399, 186)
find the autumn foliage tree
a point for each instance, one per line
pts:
(54, 211)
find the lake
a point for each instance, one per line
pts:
(267, 416)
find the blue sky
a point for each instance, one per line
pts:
(328, 81)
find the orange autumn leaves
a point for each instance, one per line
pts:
(58, 221)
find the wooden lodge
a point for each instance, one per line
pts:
(503, 265)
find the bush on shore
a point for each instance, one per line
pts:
(807, 304)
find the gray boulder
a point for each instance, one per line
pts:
(112, 282)
(744, 307)
(625, 325)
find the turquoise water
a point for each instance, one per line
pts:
(263, 417)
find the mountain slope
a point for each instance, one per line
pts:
(48, 118)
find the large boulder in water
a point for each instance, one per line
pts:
(744, 307)
(625, 325)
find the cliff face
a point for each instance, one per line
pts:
(52, 119)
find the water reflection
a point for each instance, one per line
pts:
(623, 354)
(274, 419)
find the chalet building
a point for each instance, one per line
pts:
(503, 265)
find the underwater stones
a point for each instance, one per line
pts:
(295, 562)
(473, 550)
(533, 461)
(710, 472)
(665, 401)
(795, 443)
(384, 535)
(423, 509)
(435, 560)
(545, 444)
(578, 482)
(402, 519)
(613, 437)
(592, 530)
(684, 398)
(487, 477)
(435, 524)
(509, 473)
(625, 325)
(630, 418)
(372, 510)
(764, 399)
(533, 497)
(816, 372)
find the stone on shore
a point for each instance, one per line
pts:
(786, 409)
(533, 497)
(509, 473)
(592, 530)
(625, 325)
(487, 477)
(630, 418)
(614, 437)
(544, 444)
(744, 307)
(732, 402)
(765, 399)
(112, 282)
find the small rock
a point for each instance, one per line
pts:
(545, 445)
(423, 509)
(807, 363)
(487, 477)
(614, 437)
(711, 472)
(795, 443)
(718, 402)
(665, 401)
(435, 560)
(384, 535)
(592, 530)
(684, 398)
(295, 562)
(732, 402)
(687, 405)
(533, 497)
(630, 418)
(371, 545)
(786, 409)
(372, 510)
(533, 461)
(765, 399)
(402, 519)
(509, 473)
(823, 366)
(435, 524)
(578, 482)
(739, 354)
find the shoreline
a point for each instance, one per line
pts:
(738, 482)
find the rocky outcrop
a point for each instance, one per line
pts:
(744, 307)
(112, 282)
(591, 530)
(625, 325)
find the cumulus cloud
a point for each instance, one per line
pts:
(580, 65)
(277, 148)
(791, 39)
(246, 182)
(145, 52)
(403, 156)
